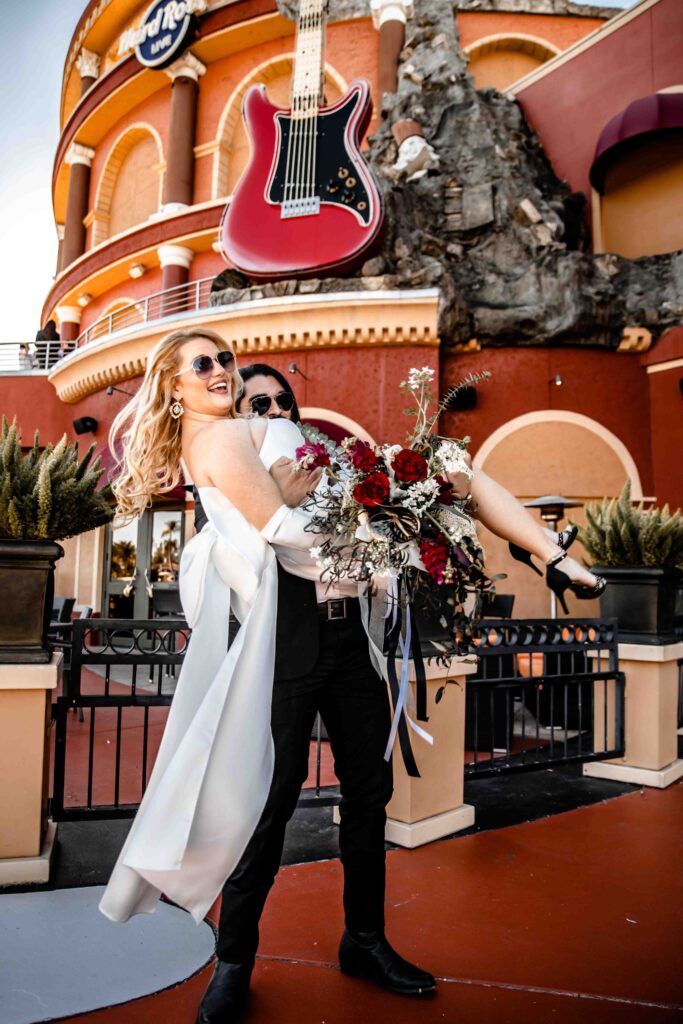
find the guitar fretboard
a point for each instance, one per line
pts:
(308, 79)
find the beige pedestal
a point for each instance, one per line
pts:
(25, 841)
(651, 703)
(430, 807)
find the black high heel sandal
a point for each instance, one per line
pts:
(565, 539)
(559, 582)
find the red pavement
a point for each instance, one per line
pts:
(574, 918)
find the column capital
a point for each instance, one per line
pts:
(88, 64)
(78, 154)
(390, 10)
(187, 66)
(69, 314)
(175, 256)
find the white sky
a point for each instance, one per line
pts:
(33, 44)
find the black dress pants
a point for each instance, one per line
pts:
(354, 705)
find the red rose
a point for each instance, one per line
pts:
(363, 457)
(410, 466)
(373, 490)
(434, 554)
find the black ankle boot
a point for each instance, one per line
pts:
(369, 955)
(226, 995)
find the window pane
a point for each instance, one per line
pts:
(165, 560)
(124, 550)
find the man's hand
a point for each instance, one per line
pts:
(295, 484)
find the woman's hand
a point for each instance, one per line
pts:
(460, 482)
(295, 485)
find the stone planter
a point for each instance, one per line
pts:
(643, 599)
(27, 837)
(27, 569)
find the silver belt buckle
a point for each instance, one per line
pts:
(336, 609)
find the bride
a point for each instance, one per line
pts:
(187, 836)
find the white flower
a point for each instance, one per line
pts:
(418, 378)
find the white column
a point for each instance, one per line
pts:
(88, 65)
(175, 256)
(69, 321)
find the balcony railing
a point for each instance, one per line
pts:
(183, 298)
(19, 357)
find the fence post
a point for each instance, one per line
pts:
(26, 837)
(651, 718)
(422, 810)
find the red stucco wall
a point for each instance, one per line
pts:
(609, 387)
(570, 105)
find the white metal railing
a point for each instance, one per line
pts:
(20, 357)
(184, 298)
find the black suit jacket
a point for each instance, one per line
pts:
(296, 627)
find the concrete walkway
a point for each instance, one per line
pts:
(576, 919)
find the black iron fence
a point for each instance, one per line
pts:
(119, 680)
(545, 692)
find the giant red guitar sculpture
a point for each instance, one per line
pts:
(307, 203)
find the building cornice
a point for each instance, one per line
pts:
(130, 245)
(381, 319)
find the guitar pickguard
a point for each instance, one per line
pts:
(337, 180)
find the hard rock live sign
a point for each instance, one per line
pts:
(531, 185)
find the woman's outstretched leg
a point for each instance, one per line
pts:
(502, 514)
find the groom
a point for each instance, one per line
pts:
(322, 664)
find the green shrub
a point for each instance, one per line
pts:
(620, 534)
(49, 495)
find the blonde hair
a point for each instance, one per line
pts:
(144, 438)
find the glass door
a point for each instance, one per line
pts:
(143, 560)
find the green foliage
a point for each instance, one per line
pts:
(49, 495)
(620, 534)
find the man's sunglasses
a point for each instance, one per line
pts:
(203, 365)
(260, 404)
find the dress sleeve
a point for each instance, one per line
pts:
(287, 528)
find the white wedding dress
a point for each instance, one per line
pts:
(214, 768)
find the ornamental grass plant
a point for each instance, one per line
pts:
(620, 534)
(49, 494)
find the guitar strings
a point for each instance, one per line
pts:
(300, 164)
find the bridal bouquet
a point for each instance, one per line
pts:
(389, 511)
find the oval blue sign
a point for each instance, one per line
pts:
(165, 31)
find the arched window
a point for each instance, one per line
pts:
(129, 187)
(551, 451)
(232, 151)
(120, 313)
(498, 61)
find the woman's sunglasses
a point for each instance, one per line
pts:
(203, 365)
(260, 404)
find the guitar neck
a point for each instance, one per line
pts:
(309, 63)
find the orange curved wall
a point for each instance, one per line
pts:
(561, 31)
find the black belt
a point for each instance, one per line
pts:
(339, 608)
